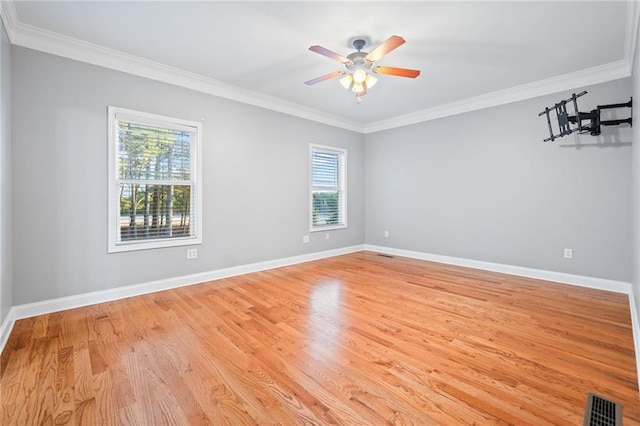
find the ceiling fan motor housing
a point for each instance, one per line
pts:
(358, 44)
(358, 60)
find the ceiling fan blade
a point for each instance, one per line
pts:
(329, 54)
(387, 46)
(400, 72)
(325, 77)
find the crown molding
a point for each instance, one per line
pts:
(631, 31)
(588, 77)
(31, 37)
(601, 74)
(35, 38)
(9, 17)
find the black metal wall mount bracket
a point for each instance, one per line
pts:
(592, 118)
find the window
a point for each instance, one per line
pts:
(328, 188)
(154, 181)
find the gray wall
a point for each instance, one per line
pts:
(484, 186)
(255, 180)
(6, 282)
(479, 186)
(635, 183)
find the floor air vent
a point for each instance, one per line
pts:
(602, 412)
(385, 255)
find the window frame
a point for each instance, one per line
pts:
(342, 187)
(115, 245)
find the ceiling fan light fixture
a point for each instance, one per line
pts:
(349, 82)
(346, 81)
(359, 76)
(370, 80)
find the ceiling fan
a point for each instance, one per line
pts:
(357, 77)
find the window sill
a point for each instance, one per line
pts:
(153, 244)
(323, 228)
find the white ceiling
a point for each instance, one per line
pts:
(259, 50)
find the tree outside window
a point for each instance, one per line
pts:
(154, 185)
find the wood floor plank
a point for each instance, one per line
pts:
(12, 388)
(43, 397)
(357, 339)
(86, 413)
(64, 413)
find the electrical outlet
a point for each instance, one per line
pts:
(192, 253)
(386, 234)
(326, 236)
(305, 239)
(568, 253)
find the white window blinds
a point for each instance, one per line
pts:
(328, 183)
(154, 187)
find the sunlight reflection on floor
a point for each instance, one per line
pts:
(325, 320)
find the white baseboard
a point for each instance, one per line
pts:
(635, 327)
(6, 327)
(86, 299)
(63, 303)
(559, 277)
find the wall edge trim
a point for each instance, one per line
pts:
(539, 274)
(635, 328)
(6, 327)
(562, 83)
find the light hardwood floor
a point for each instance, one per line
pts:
(355, 339)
